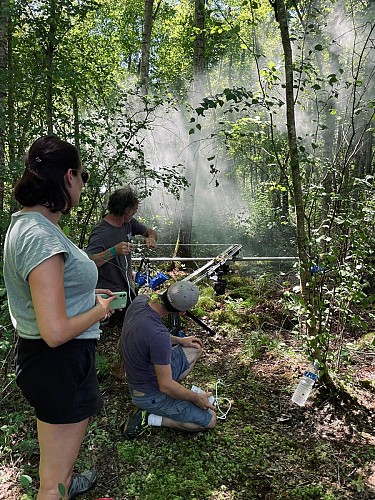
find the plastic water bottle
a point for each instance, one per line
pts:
(306, 384)
(198, 390)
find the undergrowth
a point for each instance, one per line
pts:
(267, 448)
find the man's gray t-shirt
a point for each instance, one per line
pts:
(30, 240)
(145, 341)
(116, 274)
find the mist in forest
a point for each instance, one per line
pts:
(217, 202)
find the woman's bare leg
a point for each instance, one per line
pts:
(59, 447)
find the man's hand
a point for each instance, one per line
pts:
(201, 400)
(123, 248)
(190, 342)
(150, 242)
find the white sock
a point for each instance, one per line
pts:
(154, 420)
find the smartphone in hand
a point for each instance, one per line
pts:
(119, 302)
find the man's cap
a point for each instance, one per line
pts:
(182, 295)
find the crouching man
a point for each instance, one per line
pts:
(156, 362)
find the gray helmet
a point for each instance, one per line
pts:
(182, 295)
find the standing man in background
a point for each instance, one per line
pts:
(110, 246)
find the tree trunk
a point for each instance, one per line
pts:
(3, 76)
(4, 19)
(199, 42)
(51, 45)
(193, 157)
(281, 16)
(76, 119)
(146, 41)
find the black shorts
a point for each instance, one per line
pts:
(60, 382)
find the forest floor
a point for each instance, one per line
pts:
(267, 447)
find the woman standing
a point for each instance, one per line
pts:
(55, 311)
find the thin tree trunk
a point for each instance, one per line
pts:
(193, 157)
(11, 106)
(51, 45)
(199, 42)
(4, 19)
(76, 119)
(281, 16)
(146, 41)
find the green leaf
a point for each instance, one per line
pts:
(319, 47)
(332, 79)
(61, 489)
(25, 481)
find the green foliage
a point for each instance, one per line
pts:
(204, 305)
(236, 313)
(257, 343)
(342, 287)
(96, 52)
(103, 366)
(61, 489)
(311, 492)
(167, 478)
(252, 289)
(26, 483)
(262, 436)
(7, 340)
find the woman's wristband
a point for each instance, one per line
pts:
(113, 251)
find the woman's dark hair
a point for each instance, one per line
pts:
(42, 182)
(121, 199)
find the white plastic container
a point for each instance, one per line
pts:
(198, 390)
(305, 385)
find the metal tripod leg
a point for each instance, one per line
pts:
(174, 324)
(200, 323)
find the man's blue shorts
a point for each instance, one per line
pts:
(181, 411)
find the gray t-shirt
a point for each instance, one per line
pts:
(145, 341)
(116, 274)
(30, 240)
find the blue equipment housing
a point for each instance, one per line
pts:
(158, 280)
(141, 280)
(316, 269)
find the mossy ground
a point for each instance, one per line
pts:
(267, 448)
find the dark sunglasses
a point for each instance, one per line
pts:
(85, 176)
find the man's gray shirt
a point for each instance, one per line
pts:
(116, 274)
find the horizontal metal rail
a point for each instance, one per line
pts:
(207, 259)
(140, 243)
(212, 265)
